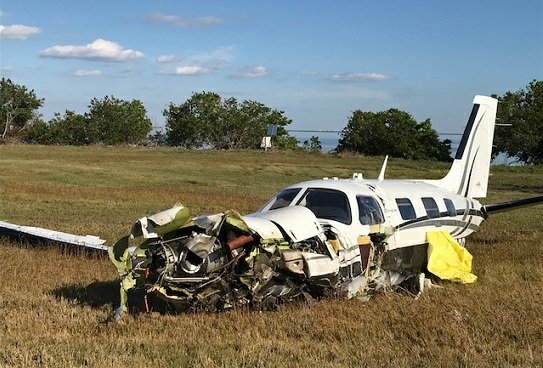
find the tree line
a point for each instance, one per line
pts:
(206, 120)
(521, 113)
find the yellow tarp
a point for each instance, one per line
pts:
(447, 259)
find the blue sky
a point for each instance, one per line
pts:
(316, 60)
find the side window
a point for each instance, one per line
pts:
(284, 198)
(369, 211)
(431, 207)
(450, 207)
(328, 204)
(406, 208)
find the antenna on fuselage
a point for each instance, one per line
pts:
(383, 168)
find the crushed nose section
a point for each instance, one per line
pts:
(225, 260)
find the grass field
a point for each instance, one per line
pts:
(54, 306)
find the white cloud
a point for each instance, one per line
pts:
(6, 70)
(181, 22)
(215, 59)
(252, 72)
(197, 64)
(190, 70)
(99, 49)
(162, 59)
(359, 77)
(18, 31)
(87, 72)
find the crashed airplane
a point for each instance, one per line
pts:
(343, 237)
(330, 237)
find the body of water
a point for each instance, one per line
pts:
(329, 141)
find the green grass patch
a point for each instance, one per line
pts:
(53, 305)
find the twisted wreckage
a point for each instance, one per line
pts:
(225, 260)
(339, 237)
(343, 237)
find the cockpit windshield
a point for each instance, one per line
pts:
(282, 199)
(328, 204)
(369, 211)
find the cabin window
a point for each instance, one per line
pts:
(327, 204)
(284, 198)
(431, 207)
(451, 211)
(406, 208)
(369, 211)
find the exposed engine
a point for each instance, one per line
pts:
(225, 260)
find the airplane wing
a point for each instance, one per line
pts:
(37, 235)
(511, 205)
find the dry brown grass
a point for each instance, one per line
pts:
(54, 306)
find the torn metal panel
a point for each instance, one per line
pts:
(292, 261)
(160, 223)
(320, 265)
(264, 228)
(298, 223)
(40, 235)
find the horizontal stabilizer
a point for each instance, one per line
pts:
(512, 205)
(37, 235)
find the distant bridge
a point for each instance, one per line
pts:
(339, 131)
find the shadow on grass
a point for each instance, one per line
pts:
(99, 294)
(529, 189)
(488, 240)
(28, 241)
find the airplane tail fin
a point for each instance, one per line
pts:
(469, 172)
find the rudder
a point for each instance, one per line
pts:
(469, 172)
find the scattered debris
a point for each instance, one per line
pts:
(262, 260)
(226, 260)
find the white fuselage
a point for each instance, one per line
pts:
(407, 209)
